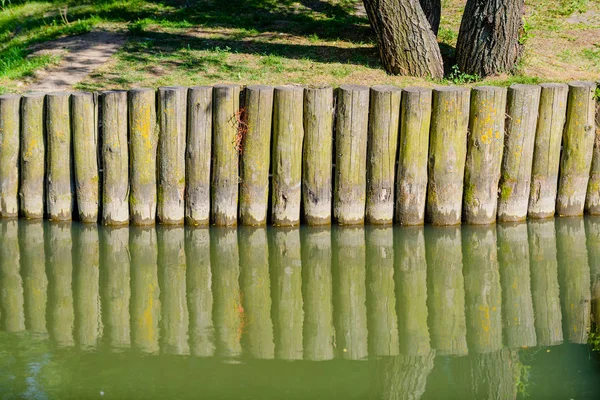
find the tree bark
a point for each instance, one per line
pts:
(488, 40)
(407, 45)
(433, 11)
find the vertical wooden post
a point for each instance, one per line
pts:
(382, 320)
(317, 155)
(84, 123)
(59, 267)
(574, 278)
(446, 291)
(256, 149)
(546, 153)
(517, 304)
(115, 286)
(174, 321)
(115, 159)
(200, 294)
(59, 174)
(257, 338)
(198, 156)
(33, 157)
(86, 287)
(318, 334)
(578, 147)
(350, 293)
(9, 155)
(227, 309)
(288, 135)
(12, 313)
(288, 317)
(410, 275)
(515, 178)
(411, 188)
(484, 154)
(172, 122)
(382, 148)
(143, 137)
(544, 282)
(351, 129)
(483, 295)
(145, 299)
(225, 153)
(447, 152)
(592, 200)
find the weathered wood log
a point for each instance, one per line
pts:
(200, 295)
(288, 135)
(59, 267)
(447, 155)
(318, 333)
(84, 125)
(174, 319)
(546, 153)
(482, 288)
(517, 303)
(59, 174)
(288, 315)
(225, 154)
(35, 281)
(86, 287)
(256, 149)
(143, 137)
(228, 314)
(544, 282)
(33, 160)
(115, 288)
(592, 200)
(317, 155)
(172, 122)
(10, 124)
(484, 154)
(446, 291)
(115, 159)
(349, 194)
(515, 178)
(12, 313)
(411, 188)
(382, 319)
(145, 299)
(578, 148)
(574, 278)
(410, 275)
(382, 148)
(257, 337)
(349, 293)
(198, 156)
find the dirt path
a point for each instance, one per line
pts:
(81, 55)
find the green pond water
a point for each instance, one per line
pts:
(498, 312)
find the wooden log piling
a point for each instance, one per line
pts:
(10, 124)
(33, 156)
(255, 155)
(382, 148)
(317, 155)
(592, 199)
(115, 159)
(351, 129)
(515, 179)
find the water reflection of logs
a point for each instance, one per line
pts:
(403, 296)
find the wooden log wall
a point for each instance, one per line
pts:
(283, 155)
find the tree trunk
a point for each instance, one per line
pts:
(433, 11)
(488, 40)
(407, 45)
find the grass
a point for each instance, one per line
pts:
(273, 42)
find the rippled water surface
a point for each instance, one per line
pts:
(340, 313)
